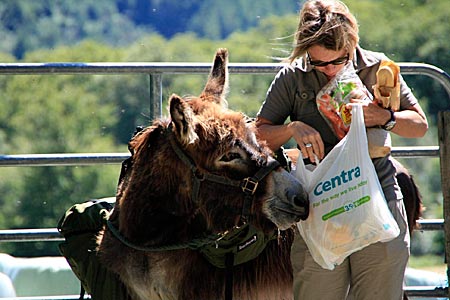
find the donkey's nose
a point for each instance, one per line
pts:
(301, 205)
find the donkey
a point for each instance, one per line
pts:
(411, 196)
(203, 211)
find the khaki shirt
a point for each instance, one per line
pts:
(293, 92)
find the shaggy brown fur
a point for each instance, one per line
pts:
(155, 205)
(411, 196)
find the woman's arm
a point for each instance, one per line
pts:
(277, 135)
(410, 123)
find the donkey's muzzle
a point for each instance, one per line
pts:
(300, 203)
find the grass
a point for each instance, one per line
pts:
(428, 262)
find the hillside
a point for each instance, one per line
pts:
(30, 25)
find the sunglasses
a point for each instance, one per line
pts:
(337, 61)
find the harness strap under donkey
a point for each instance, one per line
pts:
(224, 250)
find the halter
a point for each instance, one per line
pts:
(248, 185)
(239, 237)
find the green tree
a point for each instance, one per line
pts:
(31, 25)
(411, 31)
(98, 113)
(55, 114)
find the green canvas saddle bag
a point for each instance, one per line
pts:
(80, 226)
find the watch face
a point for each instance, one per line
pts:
(389, 125)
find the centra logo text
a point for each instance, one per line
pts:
(344, 177)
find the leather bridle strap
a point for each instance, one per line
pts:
(248, 185)
(229, 261)
(193, 244)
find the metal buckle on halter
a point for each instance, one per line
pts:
(249, 185)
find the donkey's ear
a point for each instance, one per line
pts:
(183, 119)
(217, 85)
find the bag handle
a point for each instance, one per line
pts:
(357, 125)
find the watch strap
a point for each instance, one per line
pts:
(390, 123)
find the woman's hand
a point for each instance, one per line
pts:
(308, 139)
(374, 115)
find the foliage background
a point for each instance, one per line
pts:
(98, 113)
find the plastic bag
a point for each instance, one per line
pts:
(348, 210)
(333, 97)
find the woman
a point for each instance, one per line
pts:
(326, 39)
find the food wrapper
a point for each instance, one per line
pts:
(333, 97)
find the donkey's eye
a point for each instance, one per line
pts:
(230, 156)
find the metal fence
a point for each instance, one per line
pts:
(156, 71)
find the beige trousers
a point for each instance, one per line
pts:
(373, 273)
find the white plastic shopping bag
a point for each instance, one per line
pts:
(348, 210)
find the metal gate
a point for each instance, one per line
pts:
(155, 71)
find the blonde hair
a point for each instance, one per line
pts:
(328, 23)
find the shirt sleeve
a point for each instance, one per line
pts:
(368, 64)
(279, 98)
(407, 97)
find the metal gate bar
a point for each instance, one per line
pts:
(52, 234)
(157, 69)
(155, 72)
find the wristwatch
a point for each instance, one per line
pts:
(391, 123)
